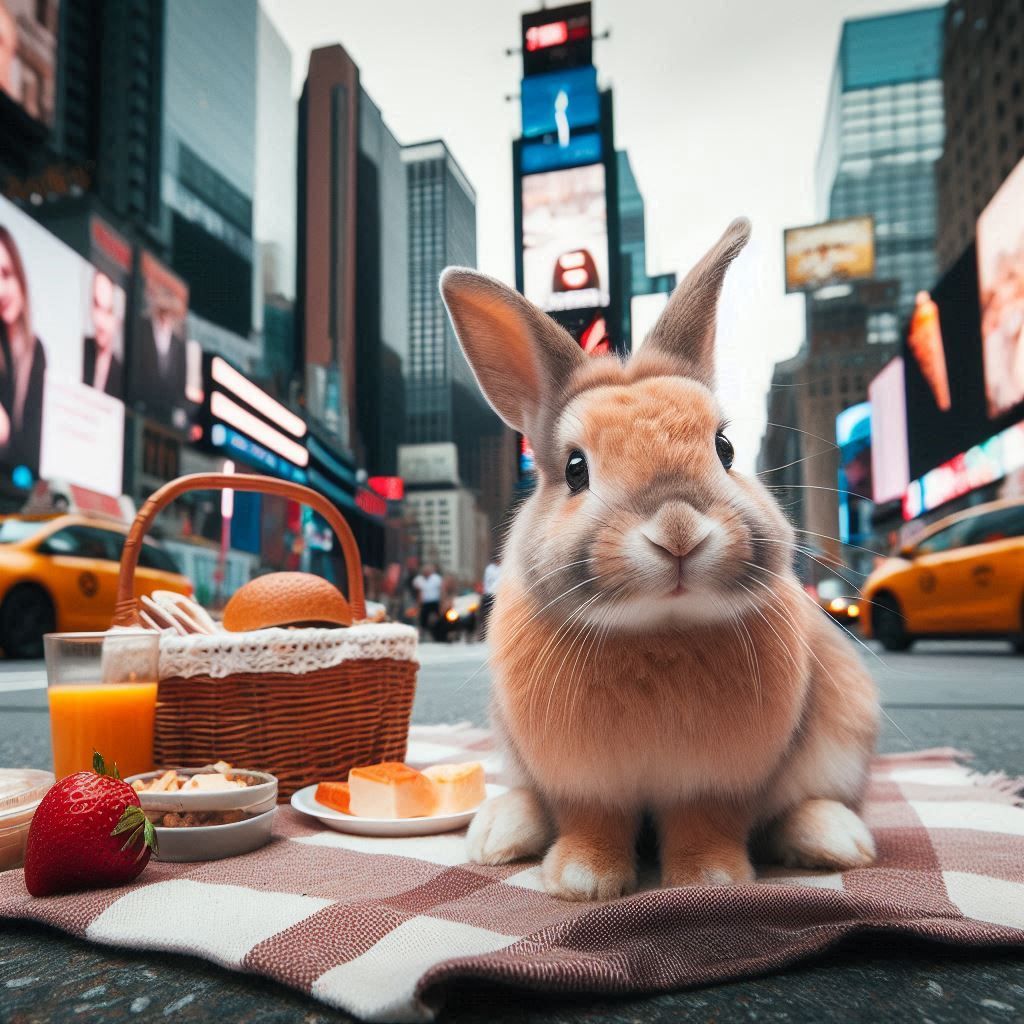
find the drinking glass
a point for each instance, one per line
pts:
(102, 692)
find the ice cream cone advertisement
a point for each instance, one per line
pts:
(925, 342)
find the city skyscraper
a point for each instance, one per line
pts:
(209, 155)
(382, 284)
(325, 256)
(983, 79)
(883, 137)
(443, 402)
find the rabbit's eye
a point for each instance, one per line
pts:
(725, 450)
(576, 474)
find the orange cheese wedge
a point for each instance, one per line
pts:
(459, 787)
(334, 795)
(390, 790)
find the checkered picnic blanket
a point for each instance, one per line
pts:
(379, 927)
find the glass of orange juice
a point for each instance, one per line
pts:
(102, 690)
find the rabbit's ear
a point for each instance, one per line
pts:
(685, 331)
(521, 358)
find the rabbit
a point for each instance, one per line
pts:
(652, 649)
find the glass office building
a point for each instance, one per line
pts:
(443, 401)
(883, 137)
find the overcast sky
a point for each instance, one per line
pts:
(720, 105)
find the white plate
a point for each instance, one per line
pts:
(305, 800)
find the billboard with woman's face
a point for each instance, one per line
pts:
(1001, 284)
(28, 55)
(54, 420)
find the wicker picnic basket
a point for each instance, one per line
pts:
(303, 704)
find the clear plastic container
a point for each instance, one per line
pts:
(21, 789)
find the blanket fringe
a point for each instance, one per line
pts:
(1010, 788)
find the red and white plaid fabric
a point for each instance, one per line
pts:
(379, 927)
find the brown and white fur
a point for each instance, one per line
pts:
(653, 651)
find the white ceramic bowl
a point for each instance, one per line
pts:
(305, 800)
(215, 842)
(255, 798)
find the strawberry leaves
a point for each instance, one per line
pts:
(100, 768)
(138, 827)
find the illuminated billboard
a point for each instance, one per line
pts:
(832, 253)
(565, 239)
(853, 437)
(60, 415)
(944, 378)
(543, 155)
(165, 378)
(28, 55)
(558, 103)
(890, 466)
(1000, 243)
(557, 37)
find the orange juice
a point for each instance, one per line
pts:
(114, 718)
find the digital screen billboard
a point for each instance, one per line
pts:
(1000, 242)
(544, 155)
(589, 328)
(162, 368)
(557, 37)
(558, 103)
(56, 309)
(832, 253)
(890, 466)
(853, 436)
(565, 239)
(944, 378)
(28, 55)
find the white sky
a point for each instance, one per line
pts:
(719, 103)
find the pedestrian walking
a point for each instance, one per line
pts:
(492, 574)
(428, 589)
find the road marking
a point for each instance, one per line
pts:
(12, 682)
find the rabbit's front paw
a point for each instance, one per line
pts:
(509, 827)
(575, 869)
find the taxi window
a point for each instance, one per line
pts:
(1002, 524)
(14, 530)
(954, 536)
(82, 542)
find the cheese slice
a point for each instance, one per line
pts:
(334, 795)
(390, 790)
(459, 787)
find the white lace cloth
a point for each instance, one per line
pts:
(295, 651)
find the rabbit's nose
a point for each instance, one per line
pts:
(674, 548)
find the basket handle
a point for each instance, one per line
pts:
(125, 610)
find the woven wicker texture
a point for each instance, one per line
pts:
(302, 728)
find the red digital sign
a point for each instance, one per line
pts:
(371, 503)
(392, 488)
(539, 37)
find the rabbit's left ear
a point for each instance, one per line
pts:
(685, 331)
(520, 357)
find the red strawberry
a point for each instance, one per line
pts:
(74, 841)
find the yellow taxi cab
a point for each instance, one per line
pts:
(964, 577)
(59, 573)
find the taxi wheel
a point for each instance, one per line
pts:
(889, 625)
(26, 614)
(1018, 640)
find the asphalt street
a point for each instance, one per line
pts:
(959, 694)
